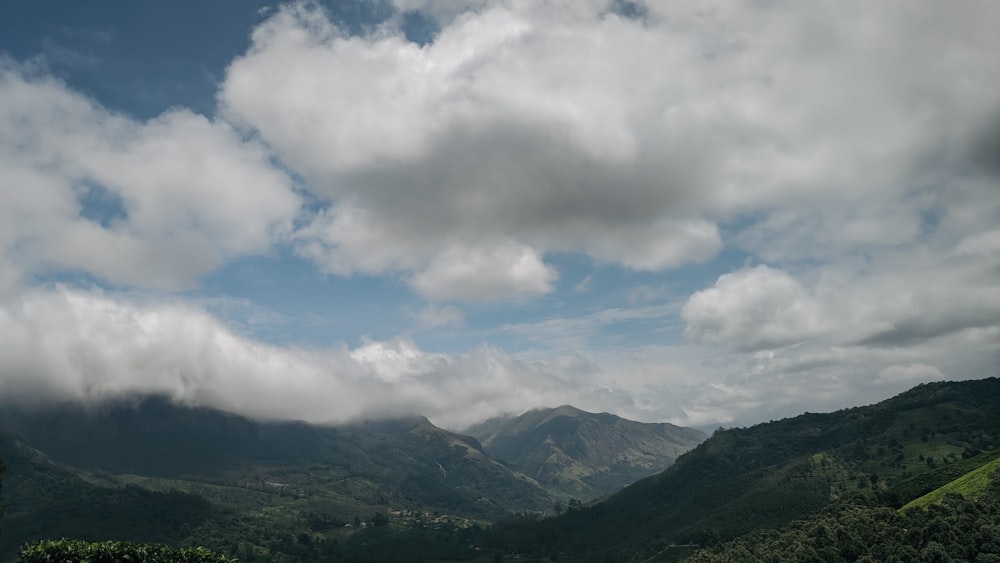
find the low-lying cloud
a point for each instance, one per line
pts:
(72, 345)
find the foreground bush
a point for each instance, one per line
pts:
(57, 551)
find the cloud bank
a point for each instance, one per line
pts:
(70, 345)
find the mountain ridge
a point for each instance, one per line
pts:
(769, 474)
(406, 461)
(583, 454)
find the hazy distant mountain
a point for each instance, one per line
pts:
(399, 463)
(584, 454)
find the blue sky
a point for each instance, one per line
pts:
(698, 213)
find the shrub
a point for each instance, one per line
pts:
(52, 551)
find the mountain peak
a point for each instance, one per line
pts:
(568, 410)
(580, 453)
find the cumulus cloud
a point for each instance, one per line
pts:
(568, 126)
(754, 308)
(490, 137)
(899, 298)
(151, 204)
(484, 274)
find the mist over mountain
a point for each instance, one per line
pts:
(584, 454)
(527, 462)
(405, 490)
(402, 462)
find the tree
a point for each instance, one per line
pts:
(113, 551)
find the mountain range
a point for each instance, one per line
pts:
(309, 478)
(768, 475)
(582, 454)
(404, 462)
(404, 490)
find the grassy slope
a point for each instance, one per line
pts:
(969, 485)
(906, 490)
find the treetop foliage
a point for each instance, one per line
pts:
(114, 552)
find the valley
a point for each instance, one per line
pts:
(405, 490)
(269, 490)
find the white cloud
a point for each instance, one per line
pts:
(754, 308)
(181, 194)
(561, 126)
(901, 297)
(475, 137)
(66, 344)
(482, 274)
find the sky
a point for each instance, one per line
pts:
(702, 212)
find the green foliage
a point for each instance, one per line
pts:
(970, 485)
(406, 462)
(50, 551)
(357, 504)
(45, 501)
(770, 474)
(919, 485)
(576, 454)
(957, 529)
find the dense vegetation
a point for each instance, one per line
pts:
(45, 501)
(813, 487)
(770, 474)
(955, 530)
(582, 455)
(969, 485)
(113, 552)
(362, 468)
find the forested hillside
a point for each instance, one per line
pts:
(405, 463)
(343, 493)
(954, 528)
(581, 454)
(151, 471)
(45, 501)
(770, 474)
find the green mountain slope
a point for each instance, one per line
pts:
(971, 485)
(584, 455)
(43, 500)
(403, 464)
(951, 528)
(906, 490)
(770, 474)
